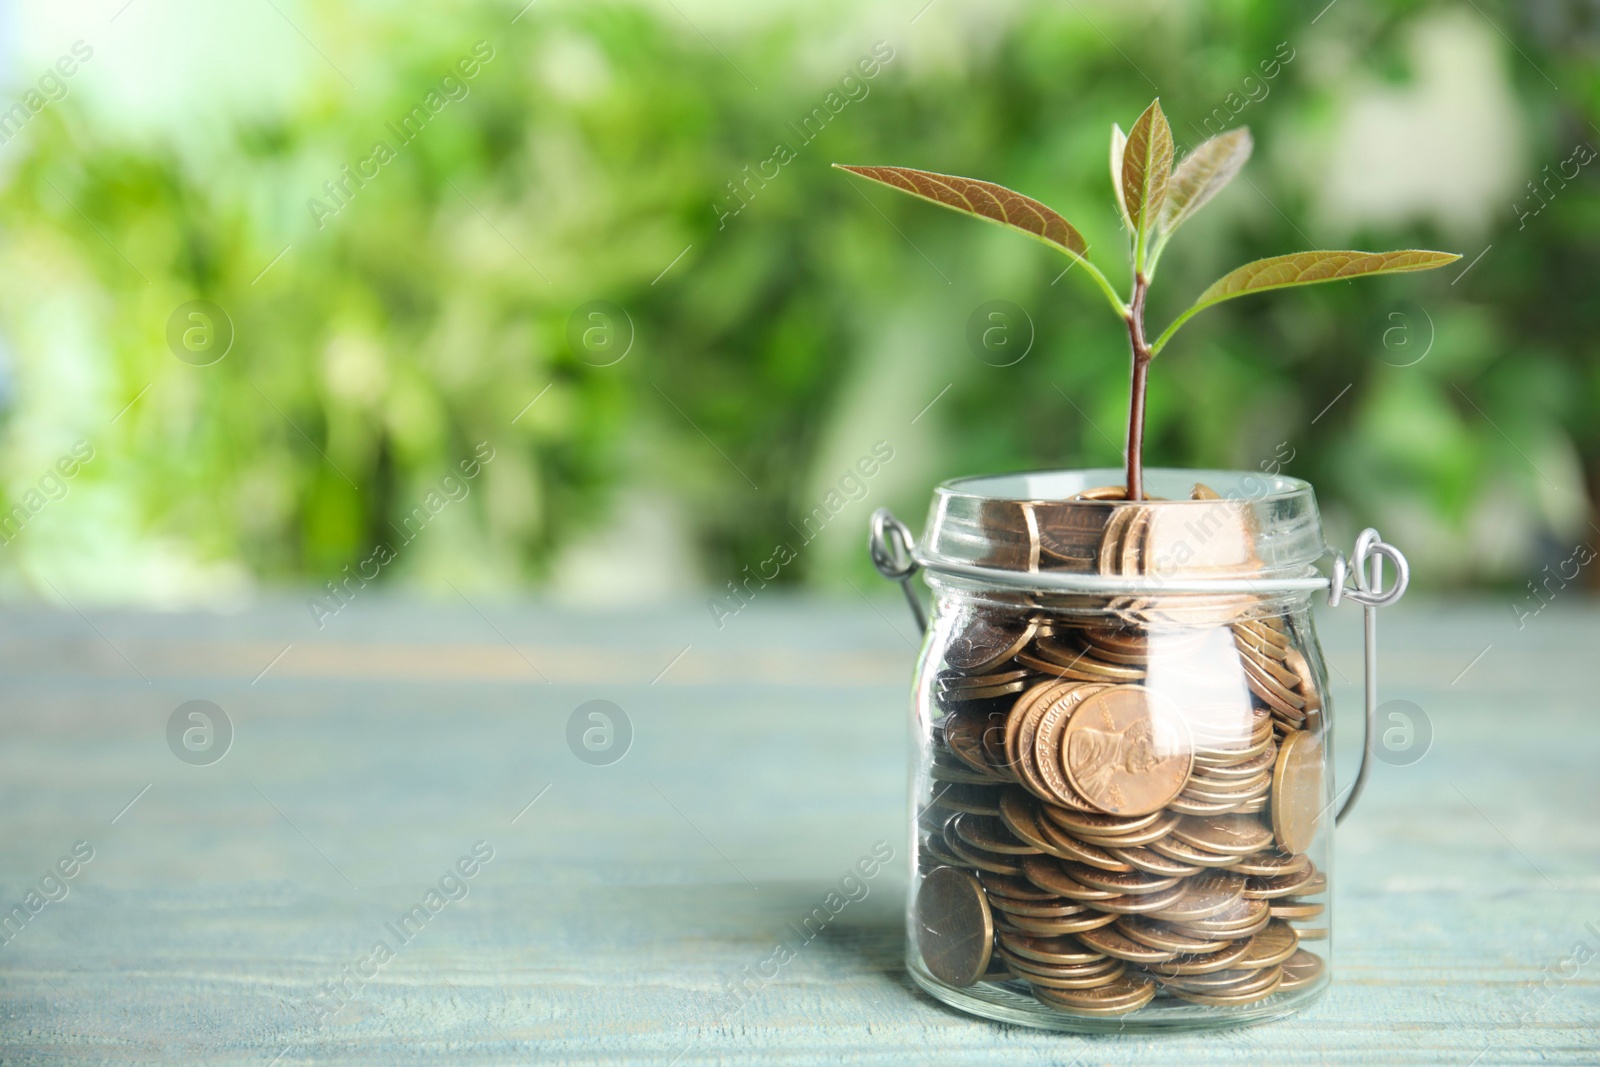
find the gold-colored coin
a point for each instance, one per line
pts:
(1204, 895)
(1235, 835)
(1272, 946)
(1297, 792)
(1112, 942)
(1300, 970)
(1187, 805)
(955, 931)
(1127, 993)
(1311, 933)
(1126, 750)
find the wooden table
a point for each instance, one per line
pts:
(623, 902)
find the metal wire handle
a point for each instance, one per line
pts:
(1364, 571)
(890, 544)
(1358, 578)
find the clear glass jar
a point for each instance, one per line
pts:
(1121, 783)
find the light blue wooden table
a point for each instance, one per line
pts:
(222, 902)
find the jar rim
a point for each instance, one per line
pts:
(1064, 483)
(1031, 528)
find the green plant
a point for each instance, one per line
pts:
(1154, 198)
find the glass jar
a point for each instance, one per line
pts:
(1122, 783)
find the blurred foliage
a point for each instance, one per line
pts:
(599, 143)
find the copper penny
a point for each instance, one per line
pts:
(1157, 934)
(1203, 963)
(1237, 835)
(955, 931)
(1234, 995)
(1126, 750)
(1297, 792)
(1048, 740)
(1135, 883)
(1072, 924)
(1300, 970)
(1068, 847)
(1046, 872)
(1136, 904)
(1204, 895)
(987, 641)
(1153, 862)
(1270, 863)
(1272, 946)
(1012, 887)
(990, 834)
(1052, 951)
(1101, 976)
(1127, 993)
(1112, 942)
(1280, 885)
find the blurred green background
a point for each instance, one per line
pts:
(763, 328)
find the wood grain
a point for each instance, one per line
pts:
(622, 908)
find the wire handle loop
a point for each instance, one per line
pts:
(892, 549)
(1360, 578)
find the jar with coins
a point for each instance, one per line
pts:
(1122, 791)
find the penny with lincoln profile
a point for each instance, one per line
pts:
(1126, 750)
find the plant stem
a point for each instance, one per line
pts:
(1141, 365)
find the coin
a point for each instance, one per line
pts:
(1072, 924)
(1012, 887)
(1153, 862)
(978, 799)
(1126, 750)
(1112, 942)
(1062, 909)
(1184, 852)
(955, 931)
(1134, 903)
(986, 641)
(1294, 909)
(1236, 835)
(1052, 951)
(1093, 979)
(980, 681)
(990, 834)
(1272, 977)
(946, 770)
(1101, 825)
(1281, 885)
(1047, 745)
(1126, 994)
(1135, 883)
(1160, 935)
(982, 859)
(1297, 792)
(1203, 963)
(1204, 895)
(1272, 946)
(1300, 970)
(1243, 918)
(1046, 872)
(933, 848)
(1068, 847)
(1017, 812)
(1271, 863)
(963, 737)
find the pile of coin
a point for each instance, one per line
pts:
(1120, 807)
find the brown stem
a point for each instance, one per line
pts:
(1141, 365)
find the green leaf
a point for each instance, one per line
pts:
(1201, 175)
(1305, 268)
(1119, 144)
(1146, 169)
(986, 200)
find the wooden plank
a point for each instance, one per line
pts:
(620, 912)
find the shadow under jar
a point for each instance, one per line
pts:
(1122, 790)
